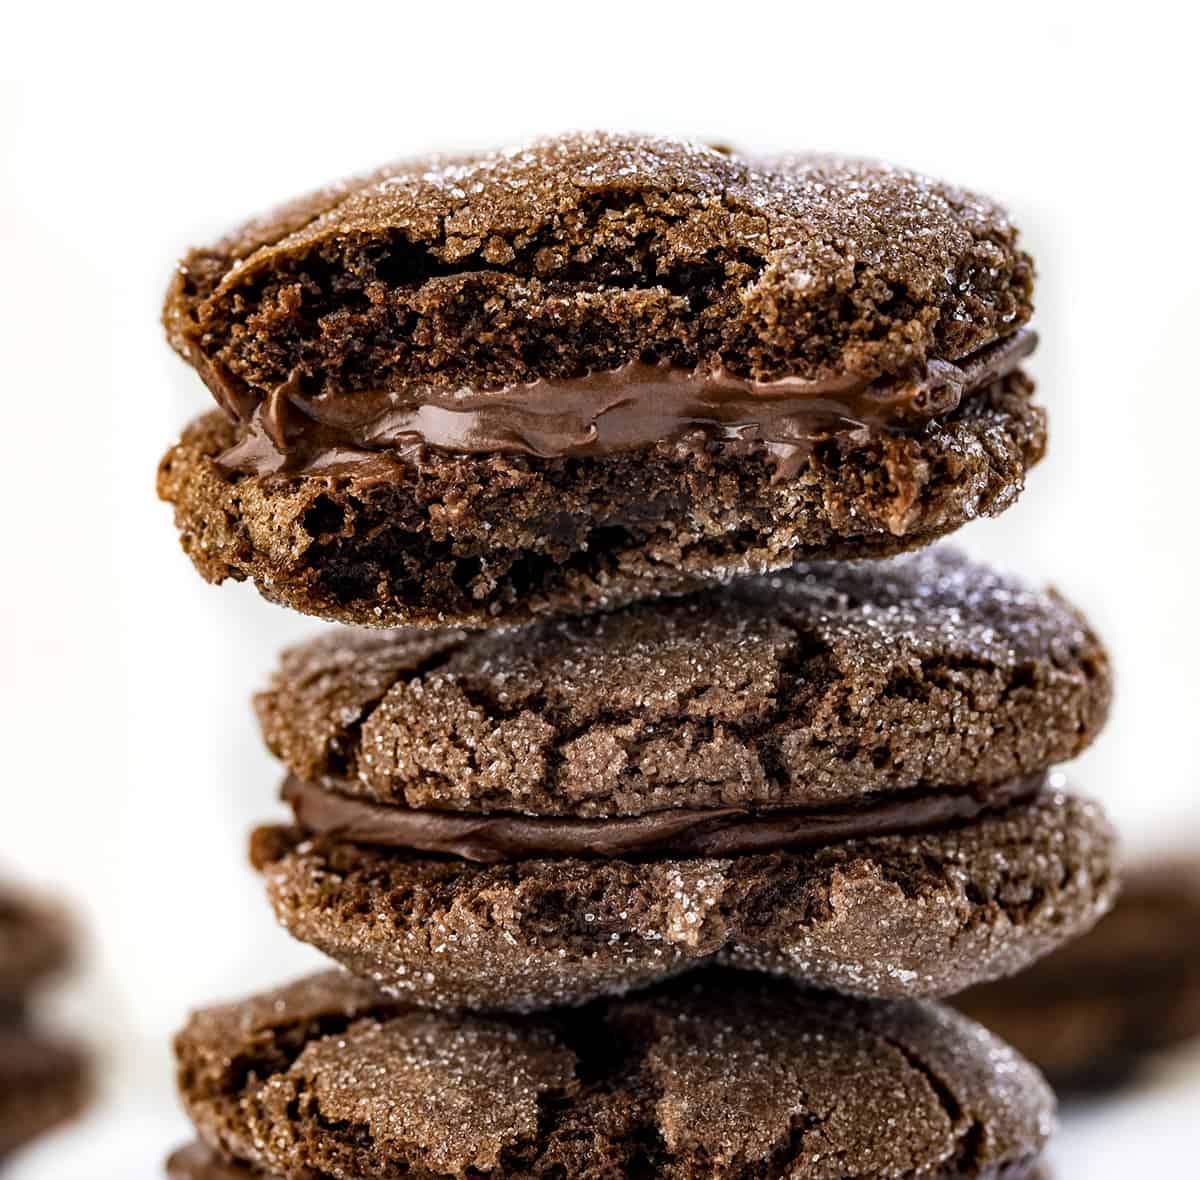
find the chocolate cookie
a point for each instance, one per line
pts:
(1093, 1012)
(596, 369)
(714, 1076)
(35, 942)
(43, 1083)
(824, 686)
(925, 914)
(836, 773)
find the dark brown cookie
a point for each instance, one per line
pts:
(756, 775)
(35, 942)
(1093, 1012)
(824, 686)
(598, 369)
(471, 540)
(43, 1083)
(925, 914)
(582, 251)
(714, 1076)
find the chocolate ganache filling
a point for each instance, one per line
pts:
(721, 831)
(291, 432)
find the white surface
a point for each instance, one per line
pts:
(133, 770)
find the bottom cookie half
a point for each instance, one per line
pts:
(925, 914)
(460, 538)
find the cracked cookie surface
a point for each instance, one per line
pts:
(716, 1075)
(825, 685)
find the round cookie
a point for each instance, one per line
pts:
(597, 369)
(714, 1075)
(825, 686)
(35, 942)
(43, 1083)
(1097, 1009)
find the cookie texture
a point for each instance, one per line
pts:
(35, 942)
(471, 539)
(587, 251)
(1095, 1011)
(827, 684)
(43, 1083)
(582, 255)
(714, 1076)
(891, 916)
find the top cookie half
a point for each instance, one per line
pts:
(592, 369)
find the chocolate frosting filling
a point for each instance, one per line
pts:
(722, 831)
(637, 405)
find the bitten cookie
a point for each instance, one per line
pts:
(595, 369)
(715, 1075)
(837, 774)
(1095, 1011)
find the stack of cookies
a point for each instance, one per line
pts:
(43, 1078)
(644, 823)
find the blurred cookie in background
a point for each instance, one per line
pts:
(43, 1083)
(44, 1078)
(1091, 1013)
(35, 943)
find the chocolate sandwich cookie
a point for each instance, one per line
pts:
(716, 1075)
(43, 1083)
(838, 773)
(35, 942)
(591, 370)
(1093, 1012)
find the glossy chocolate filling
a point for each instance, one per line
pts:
(723, 831)
(638, 405)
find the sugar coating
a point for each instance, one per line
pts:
(891, 916)
(821, 685)
(587, 251)
(717, 1074)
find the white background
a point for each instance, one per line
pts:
(132, 768)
